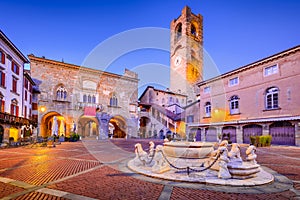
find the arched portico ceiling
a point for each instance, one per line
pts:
(84, 118)
(49, 115)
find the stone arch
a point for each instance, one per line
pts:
(194, 29)
(120, 126)
(144, 126)
(229, 133)
(195, 133)
(211, 134)
(178, 31)
(251, 130)
(161, 134)
(88, 126)
(46, 128)
(283, 133)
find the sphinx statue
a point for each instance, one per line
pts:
(160, 164)
(251, 156)
(223, 161)
(141, 156)
(235, 155)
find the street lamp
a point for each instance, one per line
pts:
(41, 109)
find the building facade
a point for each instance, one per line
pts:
(261, 98)
(90, 102)
(16, 119)
(257, 99)
(160, 113)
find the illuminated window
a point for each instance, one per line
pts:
(193, 30)
(2, 102)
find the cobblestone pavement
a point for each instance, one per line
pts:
(93, 169)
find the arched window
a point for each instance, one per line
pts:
(84, 98)
(113, 101)
(178, 31)
(89, 99)
(272, 100)
(234, 104)
(207, 109)
(61, 93)
(93, 99)
(193, 30)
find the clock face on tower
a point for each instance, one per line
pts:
(177, 61)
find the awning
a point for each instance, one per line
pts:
(257, 120)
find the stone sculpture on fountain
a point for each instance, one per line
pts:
(209, 165)
(251, 156)
(223, 160)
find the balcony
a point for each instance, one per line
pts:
(14, 120)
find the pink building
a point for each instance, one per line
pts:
(261, 98)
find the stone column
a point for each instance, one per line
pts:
(203, 134)
(239, 134)
(103, 120)
(297, 133)
(266, 129)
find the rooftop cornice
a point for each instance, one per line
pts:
(79, 68)
(13, 47)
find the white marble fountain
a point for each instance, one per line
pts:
(200, 162)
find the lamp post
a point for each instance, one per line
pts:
(41, 109)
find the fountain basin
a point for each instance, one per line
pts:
(184, 149)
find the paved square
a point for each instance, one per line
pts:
(97, 170)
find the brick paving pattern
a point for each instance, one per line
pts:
(7, 189)
(185, 193)
(109, 183)
(38, 196)
(91, 169)
(42, 173)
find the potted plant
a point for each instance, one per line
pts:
(51, 141)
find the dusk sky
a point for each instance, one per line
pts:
(236, 32)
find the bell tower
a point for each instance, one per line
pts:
(186, 57)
